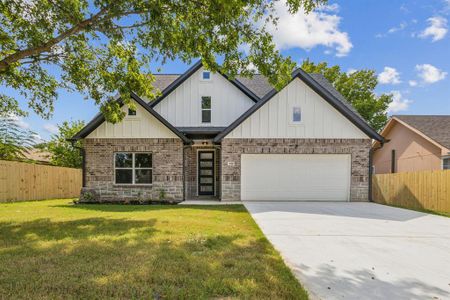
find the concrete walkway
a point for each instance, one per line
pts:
(360, 250)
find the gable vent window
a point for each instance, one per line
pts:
(206, 109)
(446, 163)
(296, 114)
(206, 75)
(131, 112)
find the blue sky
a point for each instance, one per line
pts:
(406, 42)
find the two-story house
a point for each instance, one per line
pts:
(210, 137)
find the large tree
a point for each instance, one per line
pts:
(63, 153)
(358, 88)
(102, 47)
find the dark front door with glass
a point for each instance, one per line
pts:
(206, 172)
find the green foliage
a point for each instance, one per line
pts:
(358, 88)
(14, 140)
(103, 47)
(63, 153)
(162, 194)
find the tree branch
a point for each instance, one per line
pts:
(21, 54)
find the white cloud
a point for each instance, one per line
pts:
(351, 71)
(317, 28)
(437, 29)
(389, 76)
(412, 83)
(398, 28)
(51, 128)
(392, 30)
(398, 102)
(330, 8)
(19, 121)
(430, 74)
(37, 139)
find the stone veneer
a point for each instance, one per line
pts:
(233, 148)
(167, 156)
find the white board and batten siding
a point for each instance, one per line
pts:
(319, 118)
(142, 125)
(182, 107)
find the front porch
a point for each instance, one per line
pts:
(202, 172)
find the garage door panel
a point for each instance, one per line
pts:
(307, 177)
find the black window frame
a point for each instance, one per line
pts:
(132, 112)
(133, 168)
(446, 163)
(206, 110)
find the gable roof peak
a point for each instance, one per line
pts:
(435, 127)
(341, 106)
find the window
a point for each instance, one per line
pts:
(296, 114)
(206, 75)
(206, 109)
(133, 168)
(446, 163)
(131, 112)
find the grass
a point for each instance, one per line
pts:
(428, 211)
(56, 250)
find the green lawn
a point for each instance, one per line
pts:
(54, 249)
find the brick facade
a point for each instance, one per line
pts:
(167, 157)
(233, 148)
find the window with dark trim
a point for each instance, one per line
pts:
(446, 163)
(131, 112)
(393, 162)
(206, 75)
(133, 168)
(206, 109)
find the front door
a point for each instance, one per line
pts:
(206, 172)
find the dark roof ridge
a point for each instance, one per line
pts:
(194, 68)
(99, 119)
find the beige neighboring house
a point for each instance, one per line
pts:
(415, 143)
(39, 156)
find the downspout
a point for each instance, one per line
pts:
(184, 171)
(371, 153)
(83, 164)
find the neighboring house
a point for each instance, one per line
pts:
(38, 156)
(416, 143)
(210, 137)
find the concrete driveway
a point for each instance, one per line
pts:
(360, 250)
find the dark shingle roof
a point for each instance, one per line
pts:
(258, 84)
(435, 127)
(164, 80)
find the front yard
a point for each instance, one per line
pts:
(53, 249)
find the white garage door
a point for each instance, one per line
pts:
(307, 177)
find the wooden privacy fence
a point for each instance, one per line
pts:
(416, 190)
(24, 181)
